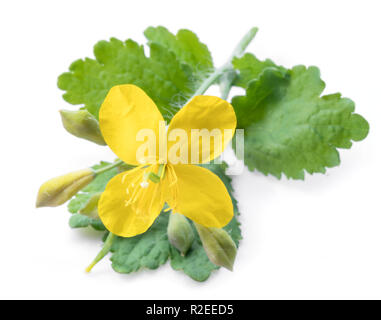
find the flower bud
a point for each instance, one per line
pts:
(219, 246)
(58, 190)
(91, 207)
(83, 125)
(180, 232)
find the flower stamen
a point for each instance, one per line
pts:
(137, 193)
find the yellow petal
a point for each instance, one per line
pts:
(201, 196)
(127, 110)
(128, 220)
(203, 112)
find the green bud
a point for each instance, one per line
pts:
(91, 207)
(219, 246)
(58, 190)
(180, 232)
(83, 125)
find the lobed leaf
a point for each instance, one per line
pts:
(289, 127)
(148, 250)
(187, 48)
(169, 75)
(250, 67)
(80, 221)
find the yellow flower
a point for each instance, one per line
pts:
(134, 199)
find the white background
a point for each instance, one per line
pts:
(320, 238)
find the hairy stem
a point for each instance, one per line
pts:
(227, 68)
(242, 45)
(226, 83)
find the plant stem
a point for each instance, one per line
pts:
(210, 80)
(105, 250)
(226, 83)
(109, 167)
(245, 41)
(227, 67)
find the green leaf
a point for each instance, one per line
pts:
(250, 67)
(290, 128)
(169, 75)
(80, 200)
(80, 221)
(101, 180)
(187, 48)
(148, 250)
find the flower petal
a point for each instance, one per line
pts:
(204, 112)
(202, 196)
(128, 220)
(126, 110)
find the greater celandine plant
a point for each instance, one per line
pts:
(159, 201)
